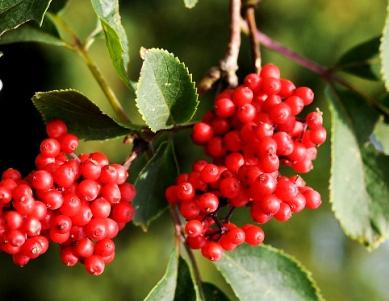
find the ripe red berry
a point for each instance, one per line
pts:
(254, 235)
(212, 250)
(42, 180)
(94, 265)
(208, 202)
(69, 143)
(270, 70)
(306, 94)
(56, 128)
(242, 95)
(202, 133)
(194, 228)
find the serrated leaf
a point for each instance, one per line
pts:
(160, 171)
(166, 94)
(115, 35)
(190, 3)
(13, 13)
(384, 51)
(82, 116)
(359, 181)
(359, 60)
(265, 273)
(165, 288)
(30, 33)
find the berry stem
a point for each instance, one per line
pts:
(254, 42)
(229, 214)
(229, 64)
(180, 237)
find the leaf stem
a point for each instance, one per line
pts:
(108, 92)
(180, 236)
(81, 49)
(254, 42)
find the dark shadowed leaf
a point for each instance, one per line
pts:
(359, 60)
(159, 172)
(83, 117)
(13, 13)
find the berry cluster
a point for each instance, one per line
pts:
(252, 131)
(79, 202)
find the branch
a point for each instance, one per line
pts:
(229, 64)
(254, 42)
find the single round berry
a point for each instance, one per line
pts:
(56, 128)
(212, 250)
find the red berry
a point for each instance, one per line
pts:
(284, 213)
(306, 94)
(242, 95)
(313, 199)
(224, 107)
(94, 265)
(202, 133)
(185, 192)
(96, 229)
(68, 256)
(208, 202)
(194, 228)
(254, 235)
(212, 250)
(270, 70)
(42, 180)
(56, 128)
(50, 147)
(123, 212)
(69, 143)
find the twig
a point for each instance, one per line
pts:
(207, 82)
(254, 42)
(229, 64)
(196, 270)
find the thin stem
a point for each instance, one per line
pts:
(254, 42)
(179, 231)
(108, 92)
(229, 64)
(79, 47)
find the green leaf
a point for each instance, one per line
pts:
(384, 51)
(83, 117)
(185, 286)
(381, 136)
(166, 94)
(213, 293)
(30, 33)
(165, 288)
(13, 13)
(115, 35)
(265, 273)
(359, 181)
(190, 3)
(160, 171)
(359, 60)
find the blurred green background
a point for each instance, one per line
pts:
(320, 29)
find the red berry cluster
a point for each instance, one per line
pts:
(252, 131)
(79, 202)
